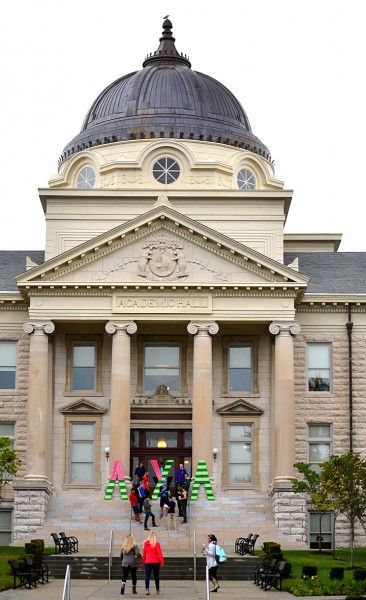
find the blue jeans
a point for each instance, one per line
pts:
(155, 568)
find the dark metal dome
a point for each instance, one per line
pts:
(166, 99)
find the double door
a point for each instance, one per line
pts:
(155, 447)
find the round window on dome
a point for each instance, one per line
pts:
(166, 170)
(86, 178)
(245, 180)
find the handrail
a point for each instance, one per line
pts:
(110, 555)
(207, 584)
(194, 556)
(67, 584)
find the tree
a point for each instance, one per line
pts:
(9, 463)
(312, 485)
(344, 478)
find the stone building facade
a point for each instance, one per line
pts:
(171, 318)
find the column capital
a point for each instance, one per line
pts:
(202, 327)
(39, 327)
(121, 327)
(285, 328)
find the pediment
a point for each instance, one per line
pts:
(240, 407)
(162, 247)
(82, 407)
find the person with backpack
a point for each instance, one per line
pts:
(147, 506)
(212, 561)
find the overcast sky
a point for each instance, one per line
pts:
(297, 66)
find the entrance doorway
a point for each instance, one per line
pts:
(161, 445)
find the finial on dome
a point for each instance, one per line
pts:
(167, 50)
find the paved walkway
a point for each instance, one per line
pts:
(172, 590)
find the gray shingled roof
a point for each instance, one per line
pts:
(13, 263)
(329, 272)
(332, 272)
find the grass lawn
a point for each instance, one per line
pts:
(324, 561)
(7, 553)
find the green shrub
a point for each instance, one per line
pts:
(337, 573)
(309, 572)
(34, 547)
(359, 575)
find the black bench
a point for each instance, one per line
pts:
(273, 578)
(26, 577)
(263, 568)
(61, 546)
(239, 542)
(247, 545)
(39, 567)
(70, 539)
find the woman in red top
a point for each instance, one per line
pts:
(152, 559)
(135, 505)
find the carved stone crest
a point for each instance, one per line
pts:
(162, 259)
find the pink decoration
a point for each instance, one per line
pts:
(117, 471)
(155, 466)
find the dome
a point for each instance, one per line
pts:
(166, 98)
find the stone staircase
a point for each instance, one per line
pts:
(91, 519)
(176, 567)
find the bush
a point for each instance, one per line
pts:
(359, 575)
(309, 572)
(34, 547)
(272, 550)
(337, 573)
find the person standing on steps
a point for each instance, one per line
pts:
(163, 493)
(129, 554)
(179, 480)
(148, 511)
(152, 560)
(135, 505)
(171, 517)
(140, 472)
(182, 501)
(210, 551)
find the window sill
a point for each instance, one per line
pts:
(81, 486)
(9, 393)
(241, 395)
(319, 395)
(240, 486)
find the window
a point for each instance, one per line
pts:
(82, 452)
(166, 170)
(162, 367)
(8, 363)
(83, 366)
(240, 453)
(322, 530)
(245, 180)
(240, 368)
(162, 439)
(8, 430)
(319, 358)
(86, 179)
(319, 440)
(5, 527)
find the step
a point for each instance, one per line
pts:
(176, 567)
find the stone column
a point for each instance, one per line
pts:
(120, 391)
(202, 392)
(284, 403)
(39, 409)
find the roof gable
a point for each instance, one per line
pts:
(162, 246)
